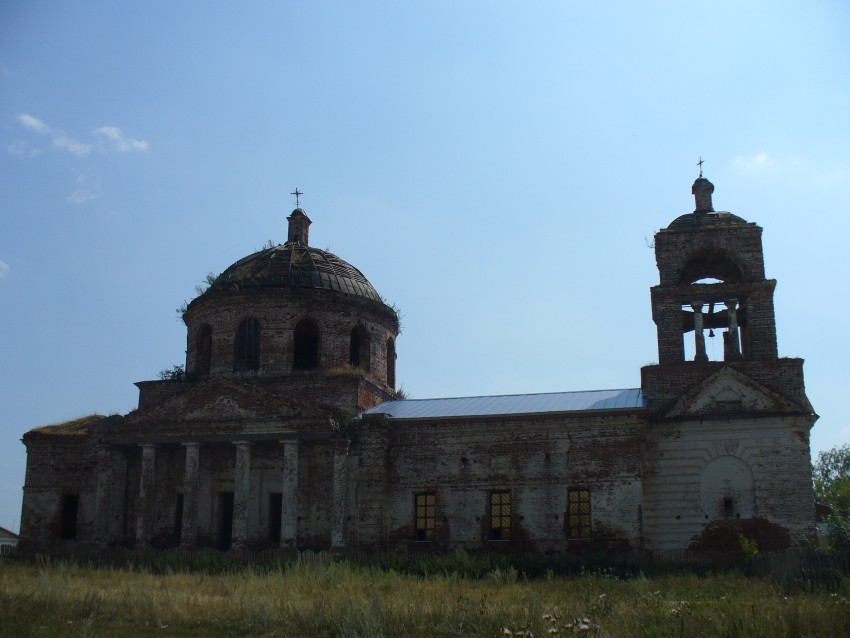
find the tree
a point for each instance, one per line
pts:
(831, 477)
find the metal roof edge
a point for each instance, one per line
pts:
(508, 416)
(516, 394)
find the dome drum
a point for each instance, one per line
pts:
(215, 328)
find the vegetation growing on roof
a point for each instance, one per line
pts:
(174, 373)
(200, 289)
(400, 393)
(73, 427)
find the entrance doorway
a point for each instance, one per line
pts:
(275, 512)
(225, 518)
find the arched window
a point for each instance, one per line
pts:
(247, 348)
(391, 362)
(360, 349)
(203, 351)
(305, 347)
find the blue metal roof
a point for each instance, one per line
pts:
(512, 404)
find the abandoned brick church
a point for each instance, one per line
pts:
(258, 447)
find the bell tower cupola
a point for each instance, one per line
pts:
(702, 190)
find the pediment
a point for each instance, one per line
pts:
(730, 392)
(221, 401)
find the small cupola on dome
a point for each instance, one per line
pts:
(299, 228)
(702, 190)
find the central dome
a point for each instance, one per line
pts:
(295, 265)
(289, 309)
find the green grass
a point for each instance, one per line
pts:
(346, 599)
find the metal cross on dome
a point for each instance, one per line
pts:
(699, 163)
(298, 195)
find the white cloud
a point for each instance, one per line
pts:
(60, 140)
(836, 176)
(34, 124)
(119, 141)
(22, 149)
(779, 166)
(4, 268)
(110, 138)
(72, 146)
(752, 162)
(86, 190)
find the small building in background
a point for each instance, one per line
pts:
(8, 541)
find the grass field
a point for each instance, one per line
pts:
(343, 599)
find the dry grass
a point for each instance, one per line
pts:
(338, 599)
(78, 426)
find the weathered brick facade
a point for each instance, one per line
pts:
(259, 446)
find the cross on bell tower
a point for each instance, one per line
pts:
(298, 195)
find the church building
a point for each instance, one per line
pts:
(286, 429)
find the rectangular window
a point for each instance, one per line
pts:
(70, 505)
(425, 511)
(578, 512)
(500, 516)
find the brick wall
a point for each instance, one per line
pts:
(56, 468)
(537, 460)
(681, 502)
(742, 242)
(664, 385)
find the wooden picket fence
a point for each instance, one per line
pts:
(177, 558)
(804, 566)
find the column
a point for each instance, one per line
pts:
(339, 493)
(189, 533)
(241, 493)
(734, 343)
(144, 521)
(289, 505)
(105, 479)
(699, 335)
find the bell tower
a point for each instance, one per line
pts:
(726, 447)
(713, 306)
(711, 266)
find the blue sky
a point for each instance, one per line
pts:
(495, 169)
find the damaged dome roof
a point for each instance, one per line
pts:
(295, 265)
